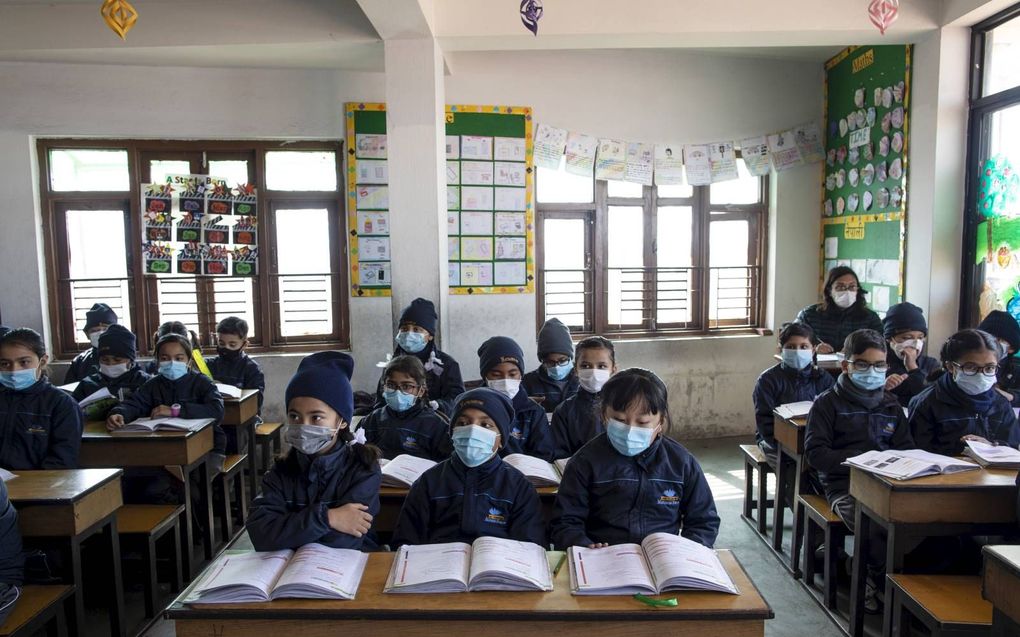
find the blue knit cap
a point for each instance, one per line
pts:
(325, 376)
(499, 349)
(118, 341)
(422, 313)
(494, 404)
(100, 313)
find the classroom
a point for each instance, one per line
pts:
(715, 331)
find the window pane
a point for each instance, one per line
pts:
(1002, 50)
(624, 189)
(743, 190)
(674, 278)
(97, 275)
(234, 297)
(1005, 134)
(89, 170)
(559, 186)
(683, 190)
(731, 279)
(306, 285)
(300, 170)
(564, 264)
(626, 280)
(160, 168)
(178, 300)
(234, 171)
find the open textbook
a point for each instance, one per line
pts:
(662, 562)
(912, 463)
(404, 470)
(313, 571)
(995, 456)
(164, 424)
(539, 472)
(790, 411)
(487, 564)
(228, 390)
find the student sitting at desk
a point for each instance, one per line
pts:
(12, 562)
(578, 419)
(232, 366)
(473, 493)
(85, 364)
(963, 403)
(407, 424)
(1006, 331)
(171, 327)
(326, 489)
(40, 425)
(905, 330)
(554, 381)
(633, 480)
(844, 309)
(117, 373)
(501, 362)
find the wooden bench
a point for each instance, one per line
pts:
(269, 437)
(142, 526)
(230, 482)
(945, 604)
(821, 526)
(38, 608)
(755, 465)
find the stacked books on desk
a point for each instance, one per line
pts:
(164, 424)
(994, 456)
(487, 564)
(905, 465)
(228, 390)
(404, 470)
(662, 562)
(539, 472)
(789, 411)
(313, 571)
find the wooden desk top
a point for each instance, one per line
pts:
(1008, 555)
(64, 503)
(789, 432)
(400, 492)
(246, 394)
(57, 486)
(100, 448)
(1002, 579)
(240, 411)
(558, 604)
(95, 430)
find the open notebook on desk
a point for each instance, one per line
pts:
(487, 564)
(164, 424)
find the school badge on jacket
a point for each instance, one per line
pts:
(495, 516)
(669, 498)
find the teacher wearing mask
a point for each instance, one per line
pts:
(843, 310)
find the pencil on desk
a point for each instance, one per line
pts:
(559, 565)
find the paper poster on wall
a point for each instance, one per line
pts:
(452, 173)
(452, 222)
(510, 199)
(215, 231)
(511, 248)
(784, 151)
(508, 149)
(373, 274)
(722, 160)
(476, 248)
(831, 247)
(453, 146)
(453, 248)
(755, 152)
(245, 231)
(453, 197)
(215, 260)
(475, 223)
(373, 197)
(374, 248)
(157, 257)
(476, 173)
(373, 171)
(510, 223)
(189, 227)
(245, 261)
(475, 198)
(476, 274)
(510, 272)
(696, 162)
(580, 154)
(550, 143)
(611, 160)
(639, 163)
(371, 146)
(879, 298)
(510, 174)
(669, 165)
(454, 270)
(474, 147)
(189, 259)
(809, 142)
(373, 222)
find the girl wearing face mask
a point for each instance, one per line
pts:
(407, 424)
(843, 310)
(117, 373)
(326, 489)
(905, 330)
(963, 404)
(579, 418)
(97, 319)
(501, 362)
(634, 479)
(1006, 331)
(795, 379)
(42, 426)
(555, 380)
(416, 337)
(473, 493)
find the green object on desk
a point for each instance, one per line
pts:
(559, 564)
(644, 599)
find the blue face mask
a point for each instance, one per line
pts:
(629, 441)
(797, 358)
(172, 370)
(473, 444)
(561, 371)
(869, 380)
(974, 385)
(411, 342)
(19, 380)
(398, 400)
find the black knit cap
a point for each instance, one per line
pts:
(422, 313)
(494, 404)
(1002, 326)
(903, 317)
(100, 313)
(118, 341)
(554, 338)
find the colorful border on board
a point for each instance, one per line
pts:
(350, 161)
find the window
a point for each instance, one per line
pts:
(623, 259)
(91, 203)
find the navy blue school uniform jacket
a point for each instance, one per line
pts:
(1009, 377)
(553, 392)
(298, 492)
(840, 427)
(944, 413)
(194, 392)
(121, 387)
(576, 421)
(442, 375)
(11, 559)
(240, 371)
(452, 502)
(529, 432)
(40, 428)
(83, 365)
(420, 431)
(779, 385)
(916, 381)
(608, 497)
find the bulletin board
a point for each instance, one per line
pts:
(489, 194)
(864, 176)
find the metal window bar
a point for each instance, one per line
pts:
(115, 292)
(305, 304)
(567, 294)
(735, 293)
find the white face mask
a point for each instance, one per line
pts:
(506, 386)
(844, 299)
(916, 343)
(592, 380)
(113, 371)
(94, 338)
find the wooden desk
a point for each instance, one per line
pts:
(1002, 588)
(72, 505)
(242, 413)
(375, 614)
(190, 451)
(970, 502)
(789, 435)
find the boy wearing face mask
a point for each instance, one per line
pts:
(416, 336)
(473, 493)
(554, 380)
(843, 310)
(905, 330)
(41, 427)
(117, 372)
(1006, 331)
(634, 479)
(501, 362)
(579, 418)
(326, 489)
(963, 404)
(407, 424)
(233, 366)
(85, 364)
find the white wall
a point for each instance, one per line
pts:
(634, 95)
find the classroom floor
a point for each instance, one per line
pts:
(797, 615)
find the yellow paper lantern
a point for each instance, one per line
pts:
(120, 16)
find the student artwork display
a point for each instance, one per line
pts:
(199, 225)
(997, 256)
(489, 195)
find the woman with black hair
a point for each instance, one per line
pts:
(843, 310)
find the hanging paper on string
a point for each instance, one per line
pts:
(755, 151)
(809, 143)
(550, 142)
(722, 161)
(699, 170)
(785, 154)
(639, 163)
(581, 154)
(669, 165)
(611, 162)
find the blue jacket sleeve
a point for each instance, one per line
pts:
(255, 379)
(700, 518)
(764, 399)
(559, 431)
(570, 511)
(452, 386)
(1006, 430)
(527, 524)
(272, 527)
(540, 441)
(11, 558)
(922, 425)
(65, 435)
(414, 520)
(139, 404)
(370, 425)
(818, 437)
(363, 490)
(208, 401)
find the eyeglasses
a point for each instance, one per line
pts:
(863, 366)
(970, 369)
(557, 362)
(407, 388)
(840, 287)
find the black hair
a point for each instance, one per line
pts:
(406, 364)
(173, 337)
(862, 340)
(366, 453)
(176, 327)
(29, 339)
(836, 273)
(234, 325)
(595, 342)
(637, 385)
(964, 342)
(797, 329)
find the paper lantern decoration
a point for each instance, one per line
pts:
(998, 189)
(883, 13)
(531, 13)
(120, 16)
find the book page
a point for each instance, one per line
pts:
(794, 410)
(316, 566)
(519, 560)
(416, 565)
(228, 390)
(903, 465)
(612, 567)
(531, 466)
(992, 453)
(672, 557)
(6, 475)
(406, 469)
(260, 570)
(95, 397)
